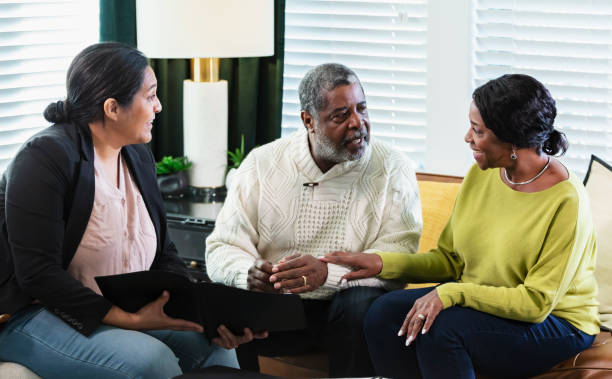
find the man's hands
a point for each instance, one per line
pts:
(302, 273)
(298, 274)
(258, 278)
(229, 340)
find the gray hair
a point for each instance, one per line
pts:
(320, 79)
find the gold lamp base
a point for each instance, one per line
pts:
(205, 69)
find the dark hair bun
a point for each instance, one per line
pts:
(56, 112)
(556, 143)
(521, 111)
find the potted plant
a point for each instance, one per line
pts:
(235, 159)
(172, 176)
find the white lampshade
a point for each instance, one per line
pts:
(205, 28)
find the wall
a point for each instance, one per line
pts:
(449, 76)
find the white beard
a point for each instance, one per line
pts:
(328, 151)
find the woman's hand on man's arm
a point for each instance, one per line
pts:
(364, 265)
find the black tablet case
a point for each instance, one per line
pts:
(209, 304)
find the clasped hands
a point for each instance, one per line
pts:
(294, 274)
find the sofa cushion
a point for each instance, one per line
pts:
(598, 183)
(437, 203)
(438, 195)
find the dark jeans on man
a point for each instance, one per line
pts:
(335, 326)
(463, 340)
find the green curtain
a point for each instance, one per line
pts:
(255, 84)
(118, 21)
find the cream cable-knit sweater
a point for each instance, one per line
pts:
(370, 205)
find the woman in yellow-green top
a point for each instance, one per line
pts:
(515, 260)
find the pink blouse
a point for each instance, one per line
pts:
(120, 236)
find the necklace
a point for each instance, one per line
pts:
(526, 181)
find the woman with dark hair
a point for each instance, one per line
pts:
(79, 200)
(515, 259)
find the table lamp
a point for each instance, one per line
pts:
(204, 31)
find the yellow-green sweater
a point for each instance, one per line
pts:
(512, 254)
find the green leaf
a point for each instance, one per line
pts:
(237, 157)
(169, 165)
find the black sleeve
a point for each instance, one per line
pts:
(41, 176)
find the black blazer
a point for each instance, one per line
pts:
(46, 198)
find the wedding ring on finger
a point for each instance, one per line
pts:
(305, 280)
(421, 317)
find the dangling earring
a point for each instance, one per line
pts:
(513, 155)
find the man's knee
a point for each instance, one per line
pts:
(383, 315)
(349, 308)
(374, 318)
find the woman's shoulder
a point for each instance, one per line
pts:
(562, 184)
(51, 153)
(57, 143)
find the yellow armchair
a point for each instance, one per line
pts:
(438, 193)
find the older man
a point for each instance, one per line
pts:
(327, 187)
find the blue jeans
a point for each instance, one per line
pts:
(37, 339)
(463, 340)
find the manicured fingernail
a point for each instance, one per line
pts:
(400, 333)
(343, 282)
(274, 268)
(423, 331)
(408, 341)
(273, 279)
(277, 285)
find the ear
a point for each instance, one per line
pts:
(111, 109)
(308, 121)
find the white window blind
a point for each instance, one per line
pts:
(567, 45)
(38, 40)
(384, 42)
